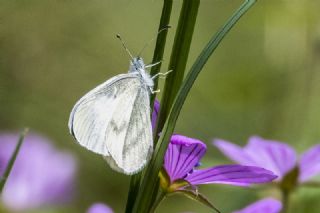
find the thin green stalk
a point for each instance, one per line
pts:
(151, 177)
(12, 159)
(285, 201)
(179, 57)
(157, 56)
(160, 44)
(177, 64)
(133, 191)
(161, 196)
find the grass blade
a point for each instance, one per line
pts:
(12, 159)
(157, 56)
(179, 57)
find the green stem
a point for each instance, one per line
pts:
(178, 61)
(157, 56)
(161, 196)
(160, 44)
(150, 179)
(133, 191)
(285, 201)
(12, 159)
(179, 57)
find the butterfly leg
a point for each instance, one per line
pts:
(152, 65)
(161, 75)
(154, 91)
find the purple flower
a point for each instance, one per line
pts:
(99, 208)
(155, 113)
(267, 205)
(182, 158)
(274, 156)
(40, 176)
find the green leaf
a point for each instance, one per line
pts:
(197, 197)
(12, 159)
(133, 191)
(160, 44)
(177, 64)
(157, 56)
(161, 195)
(179, 57)
(150, 179)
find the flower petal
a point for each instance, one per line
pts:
(99, 208)
(267, 205)
(234, 152)
(231, 174)
(182, 155)
(155, 113)
(272, 155)
(310, 163)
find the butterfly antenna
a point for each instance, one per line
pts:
(124, 45)
(151, 40)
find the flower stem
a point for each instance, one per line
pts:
(177, 64)
(157, 56)
(179, 57)
(12, 159)
(285, 200)
(161, 196)
(150, 180)
(133, 191)
(160, 44)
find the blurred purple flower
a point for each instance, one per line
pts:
(274, 156)
(40, 176)
(184, 154)
(267, 205)
(99, 208)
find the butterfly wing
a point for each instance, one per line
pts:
(91, 115)
(130, 150)
(114, 120)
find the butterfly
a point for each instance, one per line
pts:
(114, 120)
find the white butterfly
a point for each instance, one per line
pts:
(114, 119)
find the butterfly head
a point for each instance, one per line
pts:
(136, 64)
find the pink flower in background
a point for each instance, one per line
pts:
(99, 208)
(267, 205)
(184, 154)
(41, 175)
(274, 156)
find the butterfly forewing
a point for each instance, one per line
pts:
(93, 113)
(131, 156)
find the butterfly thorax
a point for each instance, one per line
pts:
(137, 66)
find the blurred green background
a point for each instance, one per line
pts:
(263, 80)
